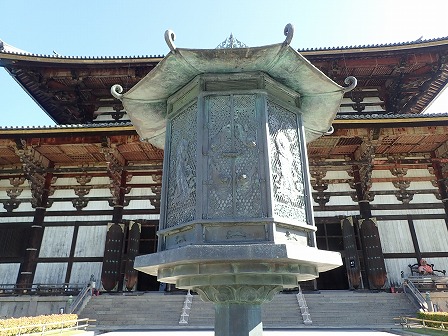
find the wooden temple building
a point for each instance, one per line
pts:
(82, 198)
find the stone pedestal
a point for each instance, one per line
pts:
(236, 220)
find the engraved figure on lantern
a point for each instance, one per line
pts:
(184, 175)
(286, 164)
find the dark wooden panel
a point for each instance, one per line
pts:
(373, 254)
(12, 242)
(112, 256)
(351, 253)
(131, 274)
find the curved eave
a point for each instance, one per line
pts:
(43, 131)
(392, 47)
(40, 132)
(396, 121)
(403, 46)
(76, 60)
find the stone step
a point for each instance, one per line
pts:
(327, 309)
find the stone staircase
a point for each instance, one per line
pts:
(358, 308)
(330, 309)
(140, 310)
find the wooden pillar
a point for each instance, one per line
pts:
(370, 239)
(442, 184)
(112, 273)
(40, 187)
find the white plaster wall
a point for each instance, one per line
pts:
(141, 192)
(335, 175)
(81, 272)
(97, 205)
(25, 206)
(50, 273)
(340, 200)
(335, 213)
(382, 174)
(407, 212)
(339, 187)
(439, 264)
(421, 185)
(56, 242)
(62, 193)
(432, 235)
(394, 268)
(418, 173)
(94, 192)
(424, 198)
(140, 204)
(90, 241)
(148, 216)
(395, 236)
(99, 180)
(382, 186)
(9, 273)
(25, 193)
(61, 206)
(16, 219)
(385, 199)
(92, 205)
(4, 196)
(72, 181)
(62, 219)
(141, 179)
(100, 193)
(5, 183)
(65, 181)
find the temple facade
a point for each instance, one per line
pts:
(82, 198)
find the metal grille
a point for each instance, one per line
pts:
(233, 178)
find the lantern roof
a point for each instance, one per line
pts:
(146, 102)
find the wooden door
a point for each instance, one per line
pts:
(351, 253)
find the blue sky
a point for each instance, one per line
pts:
(136, 27)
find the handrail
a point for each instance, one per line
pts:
(41, 288)
(85, 293)
(80, 323)
(185, 314)
(306, 316)
(415, 294)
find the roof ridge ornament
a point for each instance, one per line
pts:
(351, 81)
(117, 91)
(289, 33)
(170, 36)
(230, 43)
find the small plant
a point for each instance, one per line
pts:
(31, 324)
(433, 316)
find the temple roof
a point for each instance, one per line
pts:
(397, 78)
